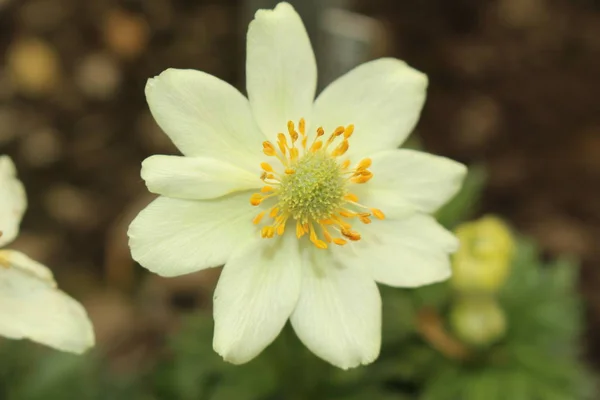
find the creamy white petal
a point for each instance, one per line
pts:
(281, 71)
(403, 253)
(257, 291)
(175, 237)
(13, 201)
(338, 315)
(31, 306)
(410, 180)
(196, 177)
(205, 116)
(382, 98)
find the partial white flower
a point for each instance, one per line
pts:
(308, 203)
(31, 306)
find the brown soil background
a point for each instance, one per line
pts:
(513, 85)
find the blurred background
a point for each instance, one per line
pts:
(513, 88)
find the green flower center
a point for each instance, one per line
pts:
(315, 190)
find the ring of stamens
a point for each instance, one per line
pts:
(312, 188)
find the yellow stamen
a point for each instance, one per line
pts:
(378, 213)
(341, 149)
(351, 197)
(256, 199)
(362, 178)
(350, 234)
(269, 149)
(294, 153)
(349, 131)
(292, 132)
(363, 164)
(299, 230)
(266, 166)
(313, 188)
(316, 146)
(258, 218)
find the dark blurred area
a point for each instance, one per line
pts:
(513, 85)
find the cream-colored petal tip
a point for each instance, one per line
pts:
(402, 68)
(150, 85)
(280, 8)
(7, 167)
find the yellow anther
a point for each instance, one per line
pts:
(292, 132)
(281, 228)
(266, 166)
(341, 149)
(362, 178)
(302, 126)
(349, 131)
(294, 153)
(289, 171)
(338, 131)
(316, 146)
(266, 189)
(364, 219)
(282, 143)
(320, 131)
(351, 197)
(378, 213)
(347, 214)
(299, 230)
(267, 232)
(320, 244)
(345, 164)
(327, 235)
(258, 218)
(269, 149)
(255, 199)
(339, 241)
(274, 211)
(352, 235)
(363, 164)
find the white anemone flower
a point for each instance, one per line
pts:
(308, 203)
(31, 306)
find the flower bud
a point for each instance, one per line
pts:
(478, 320)
(482, 263)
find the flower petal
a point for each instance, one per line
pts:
(13, 201)
(175, 237)
(281, 70)
(195, 177)
(32, 307)
(338, 315)
(205, 116)
(382, 98)
(257, 291)
(403, 253)
(410, 180)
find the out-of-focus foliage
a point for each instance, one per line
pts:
(518, 341)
